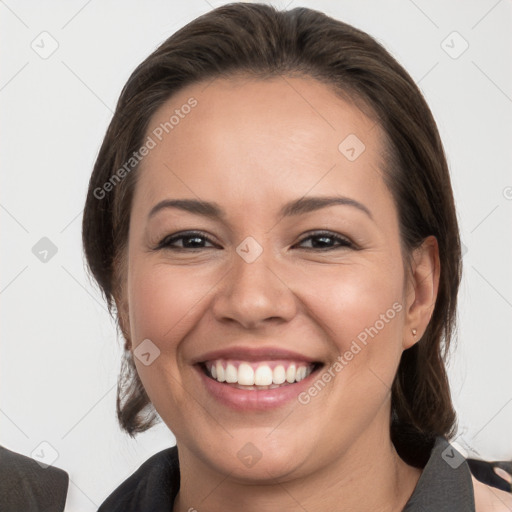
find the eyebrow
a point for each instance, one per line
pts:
(296, 207)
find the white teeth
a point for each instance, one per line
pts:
(221, 375)
(290, 374)
(262, 375)
(301, 374)
(231, 374)
(278, 375)
(245, 375)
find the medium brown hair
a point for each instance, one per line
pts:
(260, 41)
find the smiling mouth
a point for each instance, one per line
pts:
(256, 376)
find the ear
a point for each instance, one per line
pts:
(421, 290)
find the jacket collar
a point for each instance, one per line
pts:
(445, 484)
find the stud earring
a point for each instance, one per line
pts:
(414, 331)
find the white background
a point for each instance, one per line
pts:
(60, 352)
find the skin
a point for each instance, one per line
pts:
(490, 499)
(251, 146)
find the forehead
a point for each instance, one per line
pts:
(260, 138)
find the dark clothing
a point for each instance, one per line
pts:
(25, 486)
(484, 471)
(444, 486)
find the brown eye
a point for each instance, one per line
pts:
(182, 241)
(326, 240)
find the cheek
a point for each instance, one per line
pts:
(163, 306)
(361, 309)
(162, 302)
(353, 297)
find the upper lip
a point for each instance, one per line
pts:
(253, 354)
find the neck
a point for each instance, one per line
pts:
(369, 476)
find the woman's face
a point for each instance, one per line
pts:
(282, 259)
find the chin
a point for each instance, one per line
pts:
(253, 456)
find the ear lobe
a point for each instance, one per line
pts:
(422, 290)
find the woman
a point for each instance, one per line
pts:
(271, 219)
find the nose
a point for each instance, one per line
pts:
(253, 294)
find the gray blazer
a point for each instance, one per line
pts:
(25, 486)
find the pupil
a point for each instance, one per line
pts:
(321, 241)
(196, 241)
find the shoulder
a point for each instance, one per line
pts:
(25, 484)
(150, 485)
(12, 462)
(490, 499)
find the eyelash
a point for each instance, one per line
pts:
(165, 243)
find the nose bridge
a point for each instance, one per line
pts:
(253, 291)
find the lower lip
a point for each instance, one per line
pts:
(254, 400)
